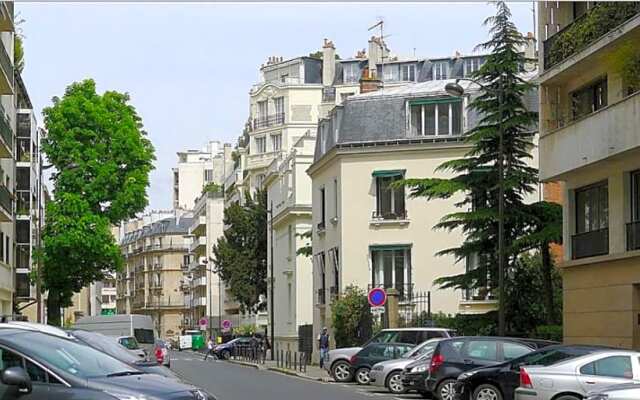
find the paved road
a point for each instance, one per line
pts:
(234, 382)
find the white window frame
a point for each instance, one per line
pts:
(276, 138)
(409, 68)
(443, 68)
(422, 127)
(263, 140)
(379, 274)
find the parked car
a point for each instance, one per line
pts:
(573, 379)
(362, 361)
(131, 344)
(110, 346)
(337, 361)
(388, 374)
(226, 350)
(626, 391)
(36, 365)
(500, 381)
(161, 352)
(451, 357)
(32, 326)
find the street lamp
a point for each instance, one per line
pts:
(454, 89)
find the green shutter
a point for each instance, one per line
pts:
(435, 100)
(388, 173)
(389, 247)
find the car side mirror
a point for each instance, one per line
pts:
(16, 376)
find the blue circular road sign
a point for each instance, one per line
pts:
(377, 297)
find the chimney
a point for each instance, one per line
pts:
(369, 82)
(377, 51)
(530, 51)
(328, 63)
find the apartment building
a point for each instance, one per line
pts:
(590, 144)
(152, 281)
(195, 169)
(7, 158)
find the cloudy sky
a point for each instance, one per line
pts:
(189, 67)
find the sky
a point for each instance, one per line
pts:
(189, 67)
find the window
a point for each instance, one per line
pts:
(482, 350)
(589, 99)
(319, 261)
(472, 65)
(276, 142)
(334, 258)
(350, 72)
(261, 145)
(613, 367)
(278, 105)
(440, 70)
(22, 285)
(262, 109)
(514, 350)
(408, 73)
(391, 268)
(323, 208)
(435, 117)
(390, 200)
(208, 175)
(592, 208)
(335, 198)
(635, 196)
(284, 77)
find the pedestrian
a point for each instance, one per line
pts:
(323, 342)
(210, 347)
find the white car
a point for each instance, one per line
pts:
(629, 391)
(573, 379)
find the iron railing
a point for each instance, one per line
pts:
(5, 130)
(6, 199)
(7, 65)
(405, 290)
(633, 236)
(389, 215)
(589, 244)
(268, 121)
(586, 29)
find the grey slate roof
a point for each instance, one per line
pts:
(167, 226)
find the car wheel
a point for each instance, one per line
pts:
(487, 392)
(394, 383)
(226, 354)
(445, 390)
(568, 397)
(362, 376)
(341, 371)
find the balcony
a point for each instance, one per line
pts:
(389, 218)
(7, 79)
(6, 204)
(609, 131)
(586, 30)
(261, 160)
(477, 301)
(23, 204)
(6, 17)
(633, 236)
(199, 227)
(199, 244)
(6, 136)
(268, 121)
(590, 244)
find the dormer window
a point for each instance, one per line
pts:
(472, 65)
(440, 70)
(435, 117)
(350, 72)
(408, 72)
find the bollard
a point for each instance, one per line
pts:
(295, 361)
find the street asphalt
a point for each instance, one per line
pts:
(228, 381)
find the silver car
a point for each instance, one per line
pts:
(387, 374)
(573, 379)
(627, 391)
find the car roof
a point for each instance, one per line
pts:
(416, 329)
(35, 327)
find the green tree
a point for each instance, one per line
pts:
(351, 318)
(307, 249)
(240, 255)
(102, 159)
(476, 176)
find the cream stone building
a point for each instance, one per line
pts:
(152, 281)
(590, 142)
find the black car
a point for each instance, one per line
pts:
(109, 345)
(39, 366)
(225, 350)
(451, 357)
(500, 381)
(362, 361)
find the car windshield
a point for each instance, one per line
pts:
(73, 358)
(421, 350)
(107, 345)
(129, 342)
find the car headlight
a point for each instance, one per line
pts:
(419, 368)
(199, 395)
(127, 396)
(377, 368)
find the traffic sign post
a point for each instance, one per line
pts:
(377, 297)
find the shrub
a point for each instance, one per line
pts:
(351, 317)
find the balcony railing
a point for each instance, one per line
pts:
(586, 29)
(268, 121)
(7, 66)
(405, 290)
(5, 130)
(633, 236)
(6, 199)
(478, 294)
(322, 296)
(389, 215)
(589, 244)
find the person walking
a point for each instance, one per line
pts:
(323, 342)
(209, 349)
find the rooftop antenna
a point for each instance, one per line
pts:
(380, 24)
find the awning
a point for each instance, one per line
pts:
(389, 247)
(388, 173)
(435, 100)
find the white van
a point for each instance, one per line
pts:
(135, 326)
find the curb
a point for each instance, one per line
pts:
(297, 374)
(246, 364)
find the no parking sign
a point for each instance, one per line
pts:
(377, 297)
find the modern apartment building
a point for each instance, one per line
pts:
(289, 195)
(7, 158)
(195, 169)
(152, 281)
(590, 143)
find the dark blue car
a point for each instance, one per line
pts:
(232, 347)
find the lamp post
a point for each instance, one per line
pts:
(454, 89)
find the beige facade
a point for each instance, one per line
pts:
(152, 282)
(590, 142)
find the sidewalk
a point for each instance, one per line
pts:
(313, 372)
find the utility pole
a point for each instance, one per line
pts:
(273, 279)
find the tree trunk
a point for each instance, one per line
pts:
(547, 283)
(53, 308)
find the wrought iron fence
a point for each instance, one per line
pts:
(269, 120)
